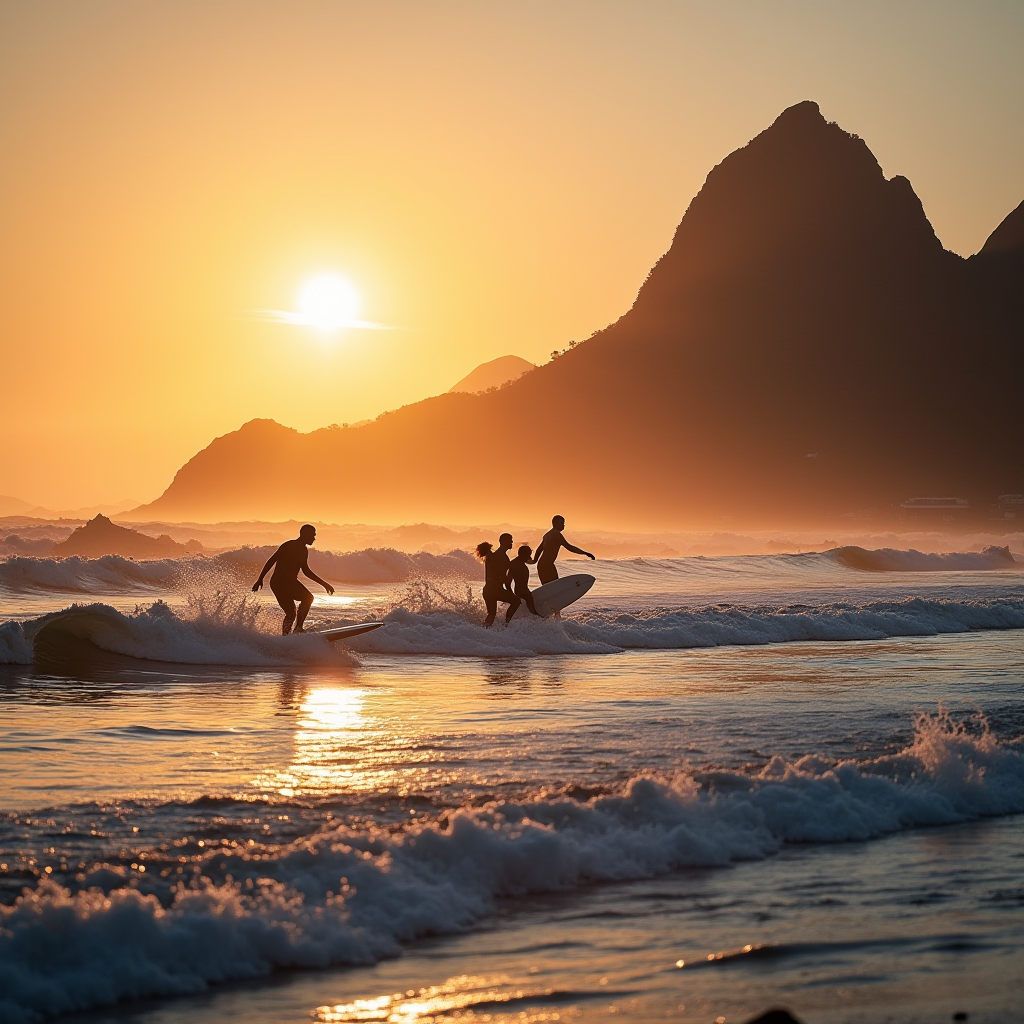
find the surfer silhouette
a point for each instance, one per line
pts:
(288, 560)
(548, 548)
(519, 582)
(496, 565)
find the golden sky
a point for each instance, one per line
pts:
(492, 177)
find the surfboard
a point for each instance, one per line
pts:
(556, 595)
(346, 632)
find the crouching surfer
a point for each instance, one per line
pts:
(496, 565)
(291, 557)
(519, 582)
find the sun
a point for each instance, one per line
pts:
(328, 302)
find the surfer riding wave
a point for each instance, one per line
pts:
(288, 560)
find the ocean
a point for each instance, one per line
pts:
(716, 786)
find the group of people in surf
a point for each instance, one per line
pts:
(507, 580)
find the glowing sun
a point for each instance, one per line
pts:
(328, 302)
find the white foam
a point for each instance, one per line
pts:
(15, 648)
(351, 897)
(603, 631)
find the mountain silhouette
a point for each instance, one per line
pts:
(100, 537)
(493, 374)
(806, 348)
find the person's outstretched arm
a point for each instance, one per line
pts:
(270, 562)
(306, 571)
(576, 551)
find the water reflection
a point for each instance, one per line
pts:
(456, 999)
(331, 741)
(354, 739)
(509, 677)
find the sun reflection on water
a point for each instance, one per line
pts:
(459, 998)
(331, 739)
(345, 741)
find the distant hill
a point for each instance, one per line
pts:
(14, 506)
(100, 537)
(805, 349)
(493, 374)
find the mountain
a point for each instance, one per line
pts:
(494, 374)
(14, 506)
(805, 349)
(100, 537)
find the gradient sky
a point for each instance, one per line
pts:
(494, 178)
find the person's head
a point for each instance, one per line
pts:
(524, 551)
(505, 541)
(484, 548)
(307, 534)
(558, 522)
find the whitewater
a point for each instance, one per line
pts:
(716, 785)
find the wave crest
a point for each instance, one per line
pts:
(893, 560)
(217, 630)
(605, 632)
(114, 574)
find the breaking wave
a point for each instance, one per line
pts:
(352, 895)
(113, 574)
(605, 632)
(221, 630)
(892, 560)
(221, 634)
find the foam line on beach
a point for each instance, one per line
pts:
(355, 895)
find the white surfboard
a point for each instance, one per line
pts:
(346, 632)
(556, 595)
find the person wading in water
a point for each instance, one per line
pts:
(519, 582)
(547, 551)
(495, 574)
(291, 557)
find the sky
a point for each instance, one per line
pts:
(493, 178)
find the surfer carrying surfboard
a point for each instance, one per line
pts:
(547, 551)
(289, 559)
(496, 565)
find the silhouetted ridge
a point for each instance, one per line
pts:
(804, 191)
(1009, 236)
(805, 348)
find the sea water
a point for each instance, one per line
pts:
(715, 786)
